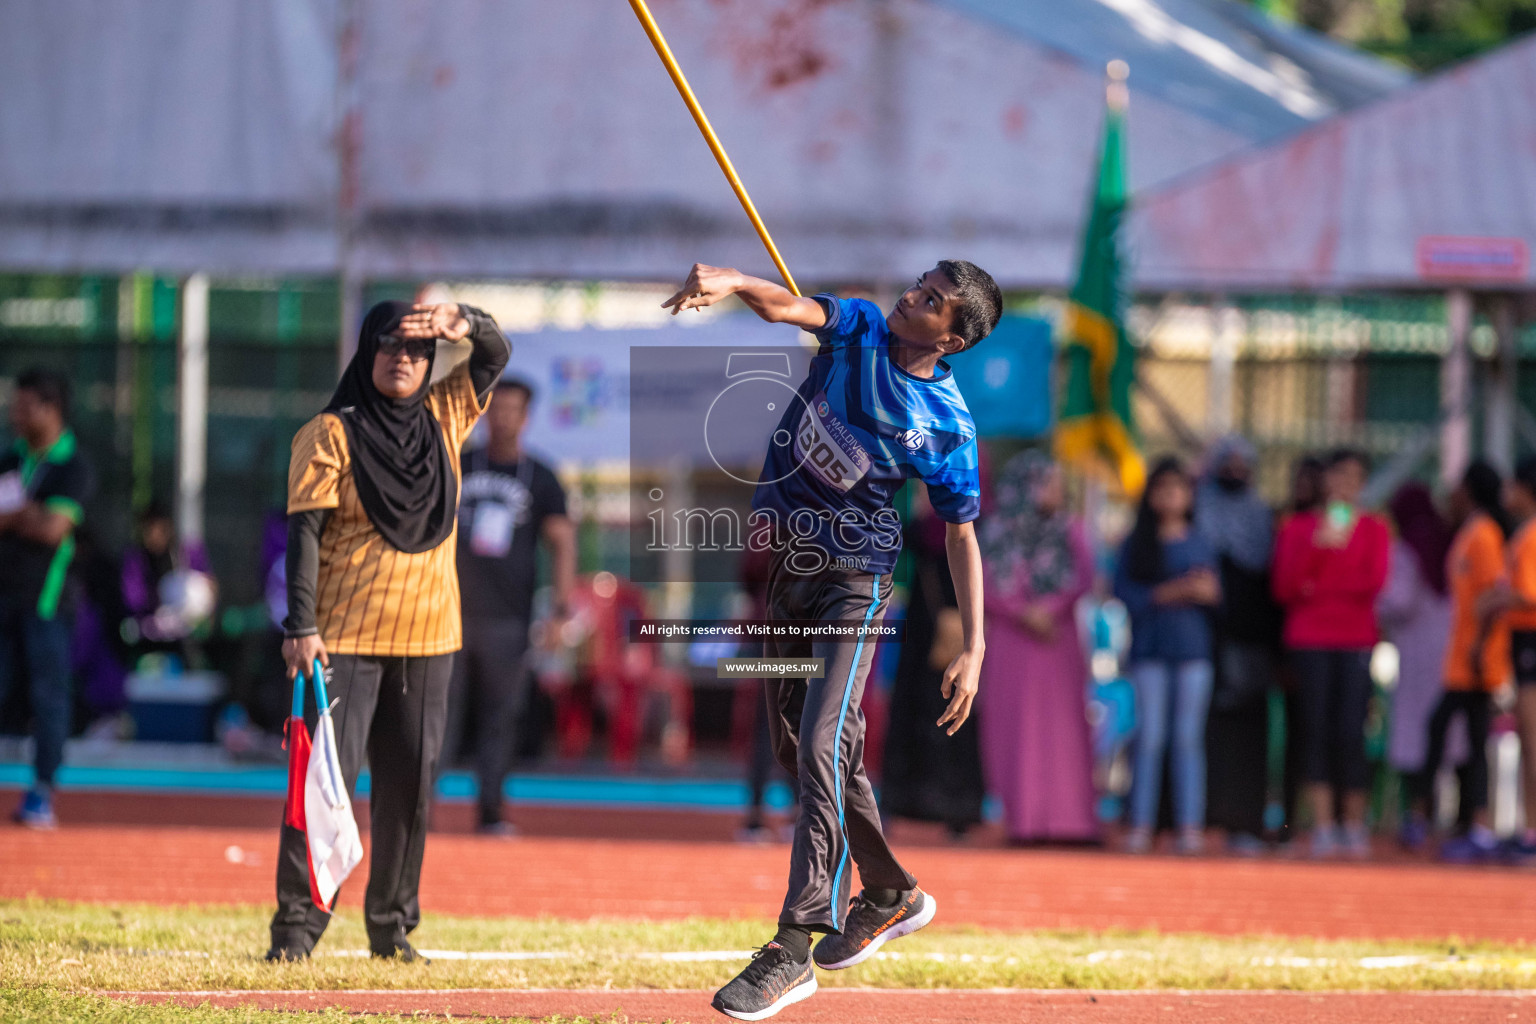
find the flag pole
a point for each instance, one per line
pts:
(1116, 93)
(665, 53)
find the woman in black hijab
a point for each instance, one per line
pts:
(373, 486)
(404, 475)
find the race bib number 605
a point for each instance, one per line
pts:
(826, 446)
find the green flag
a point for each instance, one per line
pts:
(1096, 425)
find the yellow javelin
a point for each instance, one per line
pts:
(663, 51)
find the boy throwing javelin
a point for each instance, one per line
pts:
(879, 405)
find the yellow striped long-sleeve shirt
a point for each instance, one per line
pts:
(370, 597)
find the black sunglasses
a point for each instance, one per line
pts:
(391, 345)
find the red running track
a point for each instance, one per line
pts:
(839, 1006)
(637, 878)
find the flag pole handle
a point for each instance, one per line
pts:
(298, 695)
(665, 53)
(321, 700)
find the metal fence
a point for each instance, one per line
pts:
(125, 416)
(1305, 375)
(272, 363)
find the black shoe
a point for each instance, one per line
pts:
(404, 952)
(869, 927)
(278, 954)
(772, 981)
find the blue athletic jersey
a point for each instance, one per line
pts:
(862, 425)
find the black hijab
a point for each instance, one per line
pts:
(399, 461)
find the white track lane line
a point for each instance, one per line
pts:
(1470, 964)
(1138, 993)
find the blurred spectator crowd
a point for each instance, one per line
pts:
(1301, 678)
(1306, 677)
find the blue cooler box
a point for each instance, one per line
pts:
(176, 708)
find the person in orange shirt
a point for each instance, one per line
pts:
(1518, 602)
(1477, 657)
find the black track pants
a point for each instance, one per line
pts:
(818, 735)
(393, 710)
(490, 684)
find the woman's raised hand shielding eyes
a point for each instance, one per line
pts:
(440, 320)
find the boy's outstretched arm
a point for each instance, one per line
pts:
(707, 285)
(963, 676)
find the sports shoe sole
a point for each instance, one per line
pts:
(37, 824)
(895, 931)
(798, 994)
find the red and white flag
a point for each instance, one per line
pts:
(318, 804)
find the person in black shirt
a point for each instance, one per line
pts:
(44, 485)
(509, 501)
(1239, 526)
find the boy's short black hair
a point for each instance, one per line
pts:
(49, 385)
(157, 509)
(981, 301)
(1483, 484)
(1525, 474)
(517, 384)
(1339, 456)
(1485, 487)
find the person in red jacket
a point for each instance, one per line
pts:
(1330, 563)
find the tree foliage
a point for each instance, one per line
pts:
(1424, 34)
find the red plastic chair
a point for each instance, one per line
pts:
(611, 673)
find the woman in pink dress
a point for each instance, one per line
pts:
(1034, 726)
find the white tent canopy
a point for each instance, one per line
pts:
(519, 138)
(1434, 186)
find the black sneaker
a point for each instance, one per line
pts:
(284, 954)
(772, 981)
(869, 927)
(404, 952)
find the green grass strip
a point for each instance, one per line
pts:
(55, 947)
(43, 1006)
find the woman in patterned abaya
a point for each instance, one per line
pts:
(1034, 726)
